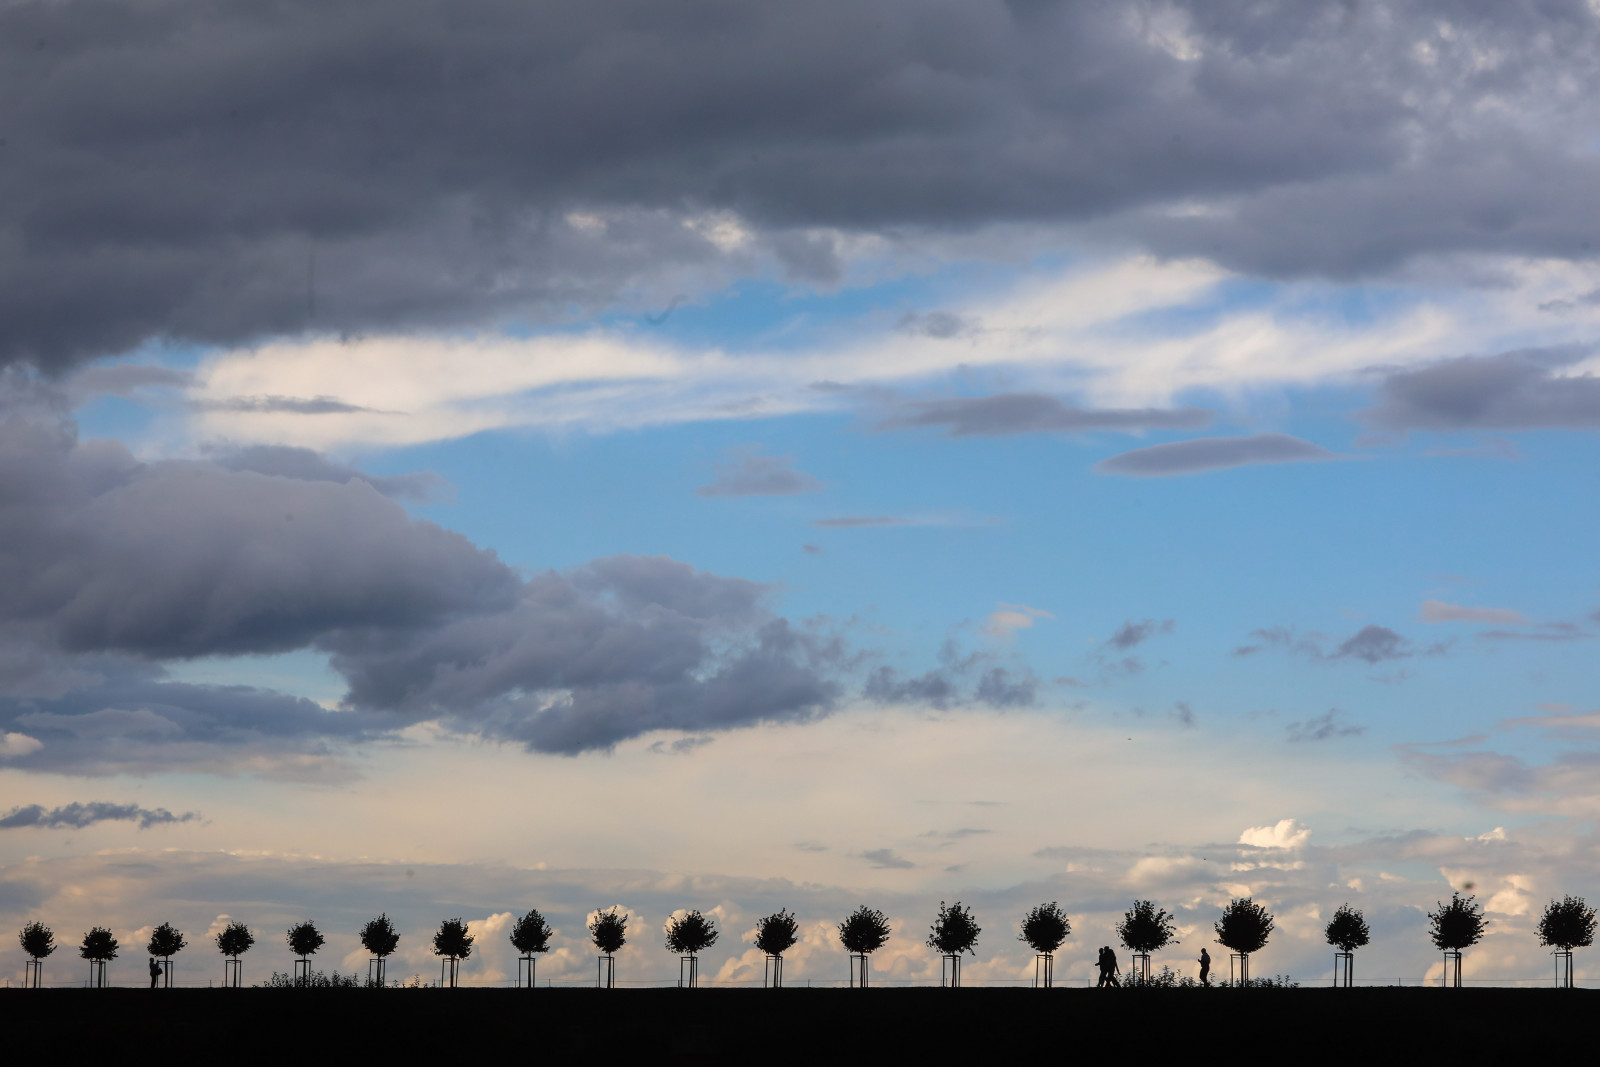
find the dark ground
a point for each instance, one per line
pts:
(1244, 1026)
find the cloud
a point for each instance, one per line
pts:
(884, 859)
(950, 684)
(1278, 145)
(15, 744)
(1528, 389)
(305, 465)
(1328, 726)
(1007, 414)
(749, 473)
(1213, 453)
(1439, 611)
(1285, 833)
(1372, 644)
(281, 405)
(1010, 618)
(851, 522)
(77, 816)
(1132, 634)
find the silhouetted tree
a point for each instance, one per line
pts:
(37, 940)
(235, 940)
(531, 934)
(98, 947)
(689, 935)
(777, 933)
(1347, 930)
(863, 932)
(166, 941)
(1567, 924)
(380, 938)
(304, 939)
(609, 931)
(1045, 928)
(1146, 928)
(1457, 925)
(1244, 928)
(454, 944)
(954, 931)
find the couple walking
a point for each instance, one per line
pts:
(1108, 968)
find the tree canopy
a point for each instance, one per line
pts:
(609, 931)
(1347, 930)
(379, 936)
(453, 940)
(954, 931)
(1244, 927)
(1567, 924)
(1457, 925)
(37, 940)
(690, 934)
(165, 941)
(98, 944)
(235, 939)
(1146, 928)
(531, 934)
(866, 930)
(1045, 927)
(777, 933)
(304, 938)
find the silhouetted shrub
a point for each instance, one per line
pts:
(379, 936)
(1347, 930)
(1146, 928)
(1457, 925)
(531, 934)
(304, 938)
(609, 931)
(1166, 978)
(165, 941)
(313, 980)
(777, 933)
(1045, 927)
(37, 940)
(1567, 924)
(954, 931)
(98, 944)
(1244, 927)
(453, 940)
(865, 931)
(235, 940)
(690, 934)
(1281, 981)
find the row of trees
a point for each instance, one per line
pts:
(1244, 928)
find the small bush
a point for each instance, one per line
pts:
(37, 940)
(1244, 927)
(453, 940)
(1457, 925)
(954, 931)
(379, 936)
(1146, 928)
(314, 980)
(1045, 928)
(1567, 924)
(531, 934)
(235, 940)
(1347, 930)
(98, 944)
(690, 934)
(777, 933)
(865, 931)
(609, 931)
(1166, 978)
(304, 938)
(165, 941)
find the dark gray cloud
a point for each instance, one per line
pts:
(303, 464)
(1212, 453)
(1521, 390)
(76, 816)
(961, 678)
(749, 473)
(1006, 414)
(884, 859)
(121, 379)
(1328, 726)
(1132, 634)
(215, 171)
(938, 324)
(1371, 644)
(180, 559)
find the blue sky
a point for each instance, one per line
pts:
(1017, 456)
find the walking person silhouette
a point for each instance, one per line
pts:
(1108, 968)
(1205, 967)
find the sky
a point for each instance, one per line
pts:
(459, 458)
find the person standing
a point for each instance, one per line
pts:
(1205, 967)
(155, 972)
